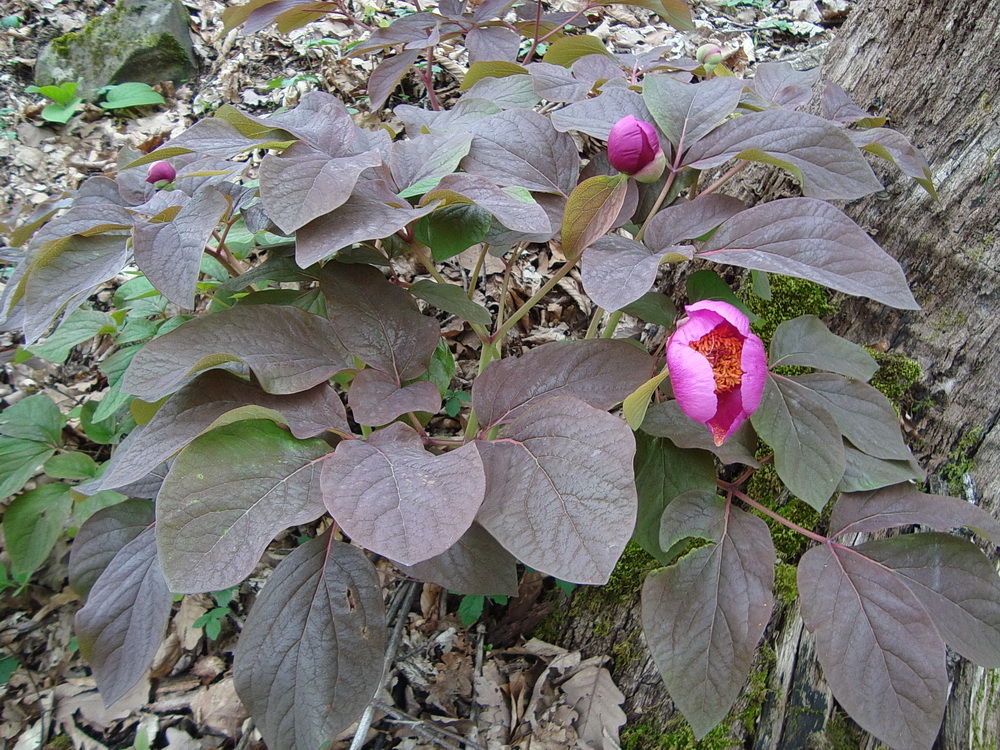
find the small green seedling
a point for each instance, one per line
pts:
(65, 102)
(131, 94)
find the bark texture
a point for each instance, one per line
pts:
(931, 67)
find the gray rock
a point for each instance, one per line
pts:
(137, 40)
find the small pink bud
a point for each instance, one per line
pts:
(161, 171)
(706, 51)
(717, 367)
(634, 148)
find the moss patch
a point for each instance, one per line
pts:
(960, 462)
(790, 298)
(896, 376)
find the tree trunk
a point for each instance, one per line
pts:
(931, 67)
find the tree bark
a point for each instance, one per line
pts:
(931, 68)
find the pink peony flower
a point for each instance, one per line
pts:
(717, 367)
(634, 148)
(160, 171)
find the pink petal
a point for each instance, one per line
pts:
(754, 364)
(693, 382)
(725, 311)
(729, 416)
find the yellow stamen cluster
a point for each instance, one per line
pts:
(724, 351)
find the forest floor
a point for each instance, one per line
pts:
(453, 684)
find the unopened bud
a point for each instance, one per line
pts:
(634, 148)
(707, 51)
(161, 171)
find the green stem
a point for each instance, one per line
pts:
(656, 206)
(426, 262)
(474, 279)
(535, 298)
(515, 254)
(613, 320)
(595, 321)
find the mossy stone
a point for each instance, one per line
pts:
(137, 40)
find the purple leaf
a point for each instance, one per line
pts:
(863, 415)
(451, 299)
(288, 349)
(703, 616)
(687, 112)
(303, 183)
(779, 83)
(121, 626)
(212, 136)
(475, 564)
(489, 9)
(806, 342)
(310, 656)
(372, 212)
(617, 271)
(666, 419)
(808, 448)
(816, 151)
(955, 582)
(809, 239)
(320, 119)
(492, 43)
(377, 321)
(59, 271)
(414, 27)
(896, 149)
(600, 372)
(398, 500)
(518, 213)
(427, 156)
(560, 489)
(879, 650)
(170, 252)
(376, 398)
(521, 148)
(206, 400)
(266, 14)
(227, 495)
(836, 105)
(597, 116)
(101, 537)
(905, 505)
(591, 69)
(387, 75)
(457, 119)
(510, 92)
(86, 219)
(688, 220)
(556, 84)
(864, 472)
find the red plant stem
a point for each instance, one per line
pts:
(534, 36)
(428, 77)
(739, 167)
(777, 517)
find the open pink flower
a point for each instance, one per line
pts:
(717, 367)
(634, 148)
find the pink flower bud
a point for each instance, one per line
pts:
(707, 51)
(634, 148)
(717, 367)
(160, 171)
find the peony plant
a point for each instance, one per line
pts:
(280, 360)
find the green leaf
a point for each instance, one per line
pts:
(73, 465)
(32, 523)
(8, 665)
(33, 418)
(452, 229)
(20, 460)
(78, 327)
(452, 299)
(707, 284)
(591, 210)
(131, 94)
(635, 404)
(806, 342)
(653, 307)
(491, 69)
(662, 472)
(470, 608)
(568, 49)
(61, 113)
(100, 431)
